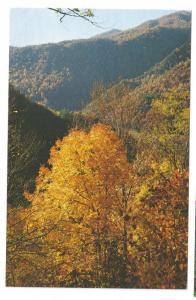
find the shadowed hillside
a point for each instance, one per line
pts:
(32, 131)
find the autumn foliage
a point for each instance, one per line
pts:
(96, 220)
(99, 197)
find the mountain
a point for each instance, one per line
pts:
(127, 105)
(32, 130)
(175, 57)
(141, 90)
(63, 74)
(178, 20)
(112, 198)
(107, 34)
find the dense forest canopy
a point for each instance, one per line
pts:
(61, 75)
(99, 197)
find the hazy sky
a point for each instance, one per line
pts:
(30, 26)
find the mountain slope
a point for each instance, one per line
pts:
(175, 57)
(127, 109)
(32, 130)
(140, 91)
(108, 34)
(178, 20)
(63, 74)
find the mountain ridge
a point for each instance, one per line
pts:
(58, 74)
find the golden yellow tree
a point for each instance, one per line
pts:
(81, 203)
(96, 220)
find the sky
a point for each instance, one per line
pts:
(33, 26)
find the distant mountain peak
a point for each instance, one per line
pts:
(178, 19)
(107, 34)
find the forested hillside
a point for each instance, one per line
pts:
(33, 129)
(61, 75)
(99, 197)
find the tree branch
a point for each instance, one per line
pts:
(76, 13)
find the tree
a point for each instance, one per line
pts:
(111, 105)
(80, 209)
(166, 131)
(160, 240)
(96, 220)
(85, 14)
